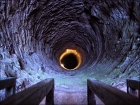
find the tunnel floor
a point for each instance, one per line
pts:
(66, 98)
(71, 98)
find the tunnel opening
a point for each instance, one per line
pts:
(70, 61)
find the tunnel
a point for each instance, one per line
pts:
(70, 41)
(70, 59)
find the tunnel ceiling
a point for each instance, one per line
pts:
(37, 32)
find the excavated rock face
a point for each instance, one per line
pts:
(47, 28)
(33, 35)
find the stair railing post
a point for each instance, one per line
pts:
(10, 91)
(90, 95)
(50, 97)
(9, 84)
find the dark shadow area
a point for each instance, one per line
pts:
(70, 61)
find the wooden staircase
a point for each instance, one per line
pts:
(44, 90)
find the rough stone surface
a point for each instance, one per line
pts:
(33, 33)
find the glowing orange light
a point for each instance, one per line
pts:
(67, 52)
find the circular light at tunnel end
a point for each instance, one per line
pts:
(76, 53)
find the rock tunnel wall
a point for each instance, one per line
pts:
(34, 33)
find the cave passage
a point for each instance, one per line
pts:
(70, 61)
(70, 41)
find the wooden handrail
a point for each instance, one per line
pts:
(133, 85)
(33, 95)
(8, 83)
(108, 94)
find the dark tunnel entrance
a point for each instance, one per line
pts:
(69, 61)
